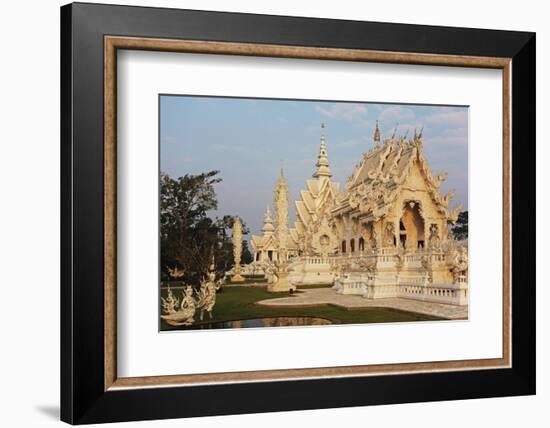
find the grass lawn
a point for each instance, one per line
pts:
(237, 303)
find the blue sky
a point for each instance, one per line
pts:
(247, 140)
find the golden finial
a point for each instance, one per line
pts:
(377, 133)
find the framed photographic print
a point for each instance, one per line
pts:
(373, 251)
(276, 213)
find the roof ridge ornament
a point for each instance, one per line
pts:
(394, 131)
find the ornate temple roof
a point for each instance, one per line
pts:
(269, 243)
(378, 177)
(259, 242)
(317, 195)
(320, 192)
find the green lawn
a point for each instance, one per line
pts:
(237, 303)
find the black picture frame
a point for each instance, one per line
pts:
(83, 396)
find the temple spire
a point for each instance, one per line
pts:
(268, 228)
(376, 135)
(323, 169)
(280, 203)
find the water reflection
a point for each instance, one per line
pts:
(264, 322)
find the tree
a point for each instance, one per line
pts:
(460, 228)
(188, 236)
(246, 256)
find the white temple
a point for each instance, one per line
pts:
(384, 235)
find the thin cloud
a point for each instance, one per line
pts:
(346, 144)
(226, 147)
(307, 148)
(396, 114)
(282, 120)
(447, 141)
(355, 113)
(447, 117)
(449, 137)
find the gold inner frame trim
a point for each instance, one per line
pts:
(113, 43)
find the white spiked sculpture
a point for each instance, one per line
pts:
(237, 250)
(281, 234)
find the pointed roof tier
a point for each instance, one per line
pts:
(268, 227)
(262, 242)
(323, 167)
(316, 200)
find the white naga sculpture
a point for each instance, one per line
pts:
(186, 312)
(237, 250)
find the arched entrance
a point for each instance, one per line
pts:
(411, 226)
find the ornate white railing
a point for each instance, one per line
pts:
(454, 294)
(315, 260)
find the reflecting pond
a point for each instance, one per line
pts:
(263, 322)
